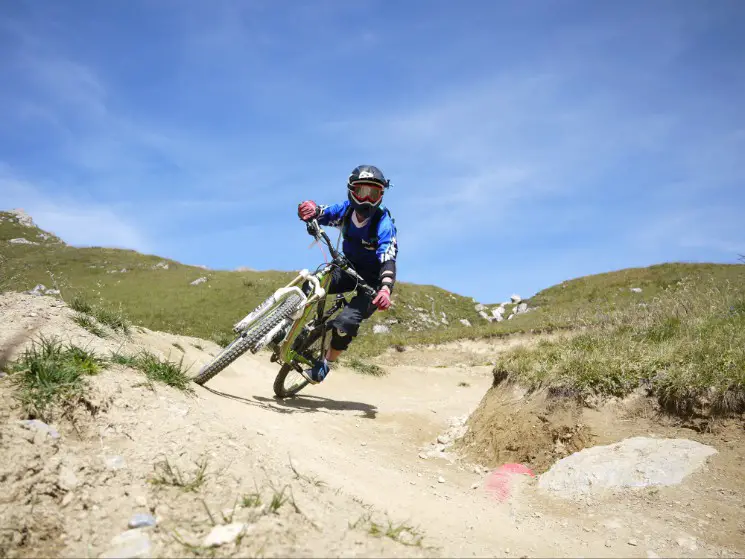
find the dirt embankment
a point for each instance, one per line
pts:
(352, 467)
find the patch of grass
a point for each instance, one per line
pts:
(178, 346)
(165, 474)
(50, 375)
(200, 347)
(81, 305)
(157, 369)
(163, 370)
(366, 368)
(223, 338)
(463, 384)
(402, 532)
(252, 500)
(687, 347)
(114, 319)
(87, 322)
(278, 499)
(312, 480)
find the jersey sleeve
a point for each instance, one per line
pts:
(387, 244)
(331, 216)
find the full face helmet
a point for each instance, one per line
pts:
(365, 188)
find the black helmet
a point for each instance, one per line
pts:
(365, 188)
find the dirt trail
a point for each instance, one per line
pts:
(357, 442)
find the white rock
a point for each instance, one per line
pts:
(443, 439)
(67, 479)
(636, 289)
(198, 281)
(132, 543)
(440, 479)
(465, 322)
(226, 533)
(480, 307)
(22, 241)
(497, 312)
(515, 299)
(521, 308)
(115, 462)
(633, 542)
(475, 485)
(141, 521)
(23, 218)
(381, 329)
(485, 316)
(632, 463)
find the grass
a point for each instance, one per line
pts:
(167, 475)
(687, 347)
(402, 532)
(89, 323)
(252, 500)
(50, 376)
(157, 369)
(178, 346)
(365, 368)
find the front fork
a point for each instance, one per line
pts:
(286, 353)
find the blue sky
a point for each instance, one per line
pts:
(528, 141)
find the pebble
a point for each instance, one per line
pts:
(440, 479)
(363, 443)
(260, 432)
(67, 499)
(608, 543)
(633, 542)
(140, 501)
(141, 521)
(226, 533)
(475, 486)
(422, 456)
(115, 462)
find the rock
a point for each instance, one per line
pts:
(381, 329)
(130, 544)
(162, 265)
(632, 542)
(226, 533)
(511, 316)
(67, 499)
(140, 501)
(22, 241)
(40, 427)
(480, 308)
(497, 312)
(198, 281)
(465, 322)
(22, 217)
(499, 318)
(443, 439)
(260, 432)
(521, 308)
(40, 289)
(32, 315)
(636, 289)
(363, 443)
(485, 316)
(440, 479)
(67, 479)
(608, 543)
(115, 462)
(515, 299)
(52, 292)
(632, 463)
(141, 521)
(423, 456)
(687, 543)
(3, 375)
(475, 485)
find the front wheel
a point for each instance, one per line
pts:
(244, 342)
(289, 381)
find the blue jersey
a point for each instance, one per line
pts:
(366, 257)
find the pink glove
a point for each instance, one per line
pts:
(382, 300)
(307, 210)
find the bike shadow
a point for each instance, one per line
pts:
(302, 404)
(305, 404)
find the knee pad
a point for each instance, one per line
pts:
(340, 340)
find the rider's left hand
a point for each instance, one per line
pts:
(383, 299)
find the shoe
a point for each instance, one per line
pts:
(317, 373)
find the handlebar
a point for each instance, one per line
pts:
(315, 231)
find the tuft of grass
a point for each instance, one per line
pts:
(178, 346)
(312, 480)
(402, 533)
(50, 375)
(166, 474)
(81, 305)
(87, 322)
(252, 500)
(157, 369)
(366, 368)
(463, 384)
(114, 319)
(200, 347)
(121, 359)
(278, 499)
(687, 347)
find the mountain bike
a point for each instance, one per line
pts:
(293, 322)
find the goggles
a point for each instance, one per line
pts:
(367, 192)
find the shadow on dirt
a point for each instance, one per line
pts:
(302, 404)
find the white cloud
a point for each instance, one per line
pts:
(75, 221)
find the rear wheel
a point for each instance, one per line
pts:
(244, 342)
(289, 381)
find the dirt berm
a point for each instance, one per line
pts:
(350, 468)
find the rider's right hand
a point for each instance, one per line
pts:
(307, 210)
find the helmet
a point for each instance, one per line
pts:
(365, 188)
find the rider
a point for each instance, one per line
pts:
(369, 244)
